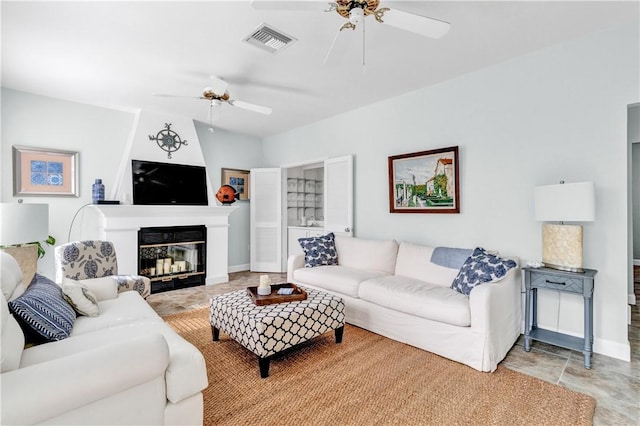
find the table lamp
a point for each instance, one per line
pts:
(21, 224)
(570, 202)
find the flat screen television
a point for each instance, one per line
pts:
(168, 184)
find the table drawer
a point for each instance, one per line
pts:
(556, 282)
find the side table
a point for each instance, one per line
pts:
(580, 283)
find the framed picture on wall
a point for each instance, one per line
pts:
(44, 171)
(238, 179)
(425, 182)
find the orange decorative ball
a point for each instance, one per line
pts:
(227, 194)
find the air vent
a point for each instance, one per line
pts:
(268, 38)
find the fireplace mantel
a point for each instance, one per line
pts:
(120, 225)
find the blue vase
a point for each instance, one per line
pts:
(97, 191)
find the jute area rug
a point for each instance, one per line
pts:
(366, 380)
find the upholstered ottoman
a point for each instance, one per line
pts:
(269, 329)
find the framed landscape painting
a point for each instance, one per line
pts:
(43, 171)
(239, 179)
(425, 182)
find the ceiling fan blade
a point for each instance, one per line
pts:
(164, 95)
(299, 5)
(422, 25)
(250, 107)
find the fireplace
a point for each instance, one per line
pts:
(173, 257)
(120, 224)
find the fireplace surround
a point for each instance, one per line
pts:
(120, 224)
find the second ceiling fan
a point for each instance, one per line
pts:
(217, 94)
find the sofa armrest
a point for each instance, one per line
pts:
(295, 261)
(497, 307)
(71, 382)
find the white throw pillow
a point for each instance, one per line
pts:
(80, 297)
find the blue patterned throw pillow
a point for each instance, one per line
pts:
(319, 251)
(481, 267)
(42, 312)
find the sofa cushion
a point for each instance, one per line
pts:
(42, 312)
(127, 308)
(12, 342)
(372, 255)
(419, 298)
(481, 267)
(340, 279)
(414, 261)
(81, 299)
(319, 251)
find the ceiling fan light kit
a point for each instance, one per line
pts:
(356, 15)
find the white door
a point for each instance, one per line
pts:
(338, 195)
(266, 220)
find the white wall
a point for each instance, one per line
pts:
(559, 113)
(107, 140)
(100, 136)
(140, 147)
(227, 150)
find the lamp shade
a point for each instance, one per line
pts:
(23, 223)
(571, 202)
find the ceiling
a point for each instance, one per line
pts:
(116, 54)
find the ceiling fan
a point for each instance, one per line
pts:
(217, 94)
(355, 11)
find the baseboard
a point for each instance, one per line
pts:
(613, 349)
(636, 262)
(606, 347)
(217, 279)
(632, 299)
(238, 268)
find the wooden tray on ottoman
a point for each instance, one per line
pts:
(297, 295)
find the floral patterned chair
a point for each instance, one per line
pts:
(81, 260)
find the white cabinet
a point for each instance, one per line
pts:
(295, 232)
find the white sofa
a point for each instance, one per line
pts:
(397, 291)
(125, 366)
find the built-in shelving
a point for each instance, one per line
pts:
(305, 199)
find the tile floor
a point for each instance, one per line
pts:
(613, 383)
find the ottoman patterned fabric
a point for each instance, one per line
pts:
(267, 330)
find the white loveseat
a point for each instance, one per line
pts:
(125, 366)
(397, 291)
